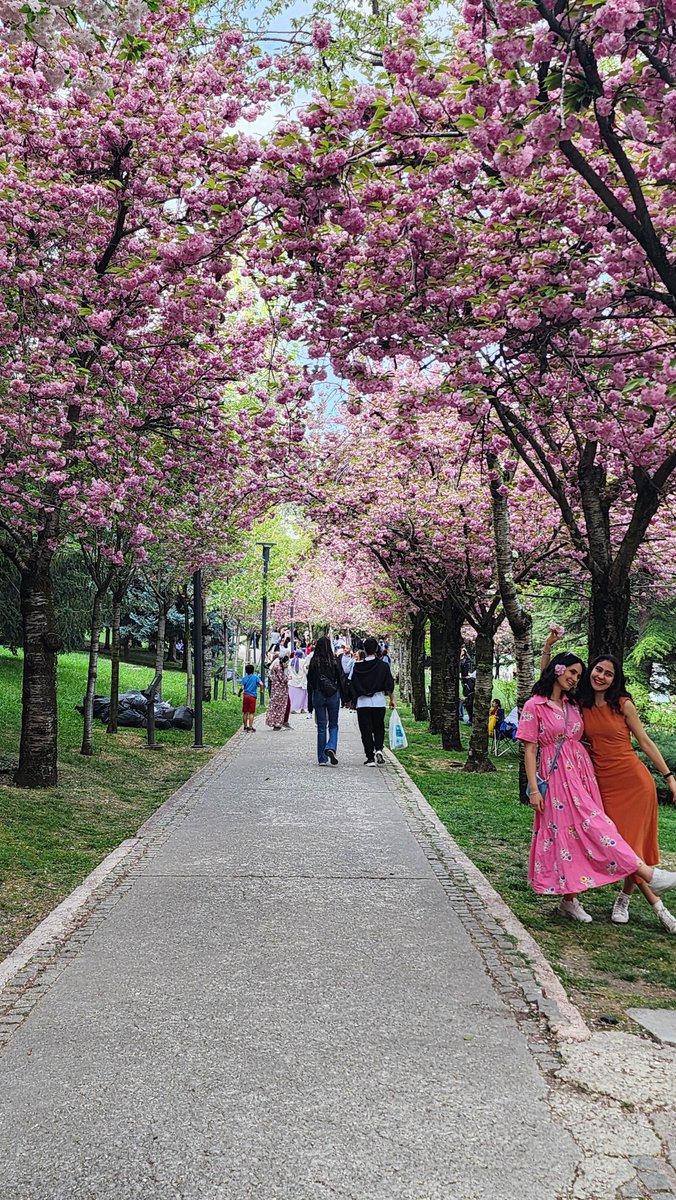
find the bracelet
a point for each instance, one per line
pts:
(669, 775)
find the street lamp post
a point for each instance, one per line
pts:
(267, 547)
(199, 658)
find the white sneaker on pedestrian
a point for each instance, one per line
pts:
(620, 913)
(662, 881)
(574, 911)
(380, 758)
(324, 763)
(370, 762)
(665, 917)
(332, 757)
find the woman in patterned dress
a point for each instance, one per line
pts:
(575, 844)
(277, 715)
(627, 788)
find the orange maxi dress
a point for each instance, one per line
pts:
(627, 788)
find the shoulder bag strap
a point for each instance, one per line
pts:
(561, 741)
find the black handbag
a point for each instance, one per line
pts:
(327, 687)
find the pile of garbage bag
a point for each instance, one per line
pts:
(132, 712)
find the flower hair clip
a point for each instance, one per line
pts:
(560, 668)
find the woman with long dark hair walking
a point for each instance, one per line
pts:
(324, 697)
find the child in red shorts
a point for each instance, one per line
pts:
(249, 685)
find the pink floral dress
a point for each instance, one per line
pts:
(575, 845)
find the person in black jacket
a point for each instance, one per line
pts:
(370, 684)
(324, 683)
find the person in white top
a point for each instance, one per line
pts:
(347, 662)
(371, 682)
(298, 681)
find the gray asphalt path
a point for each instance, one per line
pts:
(283, 1004)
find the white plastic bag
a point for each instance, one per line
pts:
(398, 739)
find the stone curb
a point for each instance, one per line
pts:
(62, 920)
(564, 1019)
(59, 924)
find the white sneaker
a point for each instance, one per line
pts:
(620, 913)
(662, 881)
(574, 911)
(665, 917)
(380, 758)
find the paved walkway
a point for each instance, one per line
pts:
(283, 992)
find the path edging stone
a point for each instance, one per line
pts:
(62, 921)
(564, 1019)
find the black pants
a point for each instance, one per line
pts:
(372, 729)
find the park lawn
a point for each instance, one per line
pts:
(605, 968)
(51, 839)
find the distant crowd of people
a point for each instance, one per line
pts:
(320, 678)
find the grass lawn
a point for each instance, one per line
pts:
(605, 968)
(51, 839)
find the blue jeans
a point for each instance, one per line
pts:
(326, 710)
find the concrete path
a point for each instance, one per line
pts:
(282, 993)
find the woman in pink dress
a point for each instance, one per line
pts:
(575, 845)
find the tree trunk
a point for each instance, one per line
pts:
(520, 620)
(106, 643)
(87, 747)
(188, 654)
(115, 659)
(171, 648)
(477, 759)
(235, 659)
(416, 654)
(159, 647)
(207, 653)
(608, 614)
(445, 626)
(37, 751)
(437, 668)
(450, 689)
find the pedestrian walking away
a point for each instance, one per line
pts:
(626, 785)
(277, 715)
(298, 669)
(249, 685)
(575, 845)
(371, 684)
(324, 699)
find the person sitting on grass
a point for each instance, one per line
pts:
(249, 685)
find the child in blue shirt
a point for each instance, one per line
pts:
(249, 685)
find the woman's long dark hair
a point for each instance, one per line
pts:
(618, 688)
(323, 653)
(545, 684)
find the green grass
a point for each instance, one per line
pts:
(52, 838)
(606, 968)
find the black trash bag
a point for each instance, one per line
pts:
(133, 700)
(164, 712)
(101, 704)
(130, 718)
(162, 723)
(183, 717)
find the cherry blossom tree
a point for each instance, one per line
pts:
(422, 224)
(120, 326)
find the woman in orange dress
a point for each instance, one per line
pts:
(627, 788)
